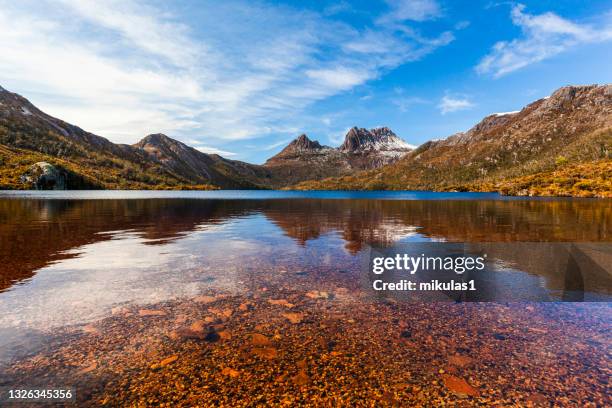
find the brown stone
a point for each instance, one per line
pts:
(89, 368)
(225, 313)
(280, 302)
(459, 386)
(293, 317)
(301, 378)
(315, 294)
(198, 326)
(265, 352)
(205, 299)
(260, 340)
(151, 312)
(537, 400)
(168, 360)
(230, 372)
(188, 333)
(224, 334)
(460, 361)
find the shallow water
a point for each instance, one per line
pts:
(78, 268)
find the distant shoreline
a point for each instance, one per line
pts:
(400, 195)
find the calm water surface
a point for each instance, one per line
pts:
(71, 259)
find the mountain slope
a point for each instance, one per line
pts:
(194, 165)
(573, 126)
(304, 159)
(28, 135)
(561, 145)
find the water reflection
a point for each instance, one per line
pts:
(64, 263)
(36, 233)
(93, 254)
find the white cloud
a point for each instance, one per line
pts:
(415, 10)
(337, 8)
(197, 144)
(137, 24)
(339, 78)
(544, 36)
(214, 150)
(124, 69)
(462, 25)
(277, 144)
(450, 104)
(336, 138)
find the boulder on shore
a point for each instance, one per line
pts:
(45, 176)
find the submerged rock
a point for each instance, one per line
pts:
(45, 176)
(230, 372)
(294, 318)
(459, 386)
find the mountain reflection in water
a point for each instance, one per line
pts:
(99, 292)
(37, 233)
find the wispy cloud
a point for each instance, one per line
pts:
(414, 10)
(404, 102)
(336, 138)
(274, 145)
(197, 144)
(214, 150)
(544, 36)
(339, 78)
(337, 8)
(450, 104)
(222, 71)
(462, 25)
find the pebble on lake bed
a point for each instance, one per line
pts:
(459, 386)
(351, 353)
(151, 312)
(166, 361)
(230, 372)
(293, 317)
(280, 302)
(204, 299)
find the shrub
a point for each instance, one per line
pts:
(561, 160)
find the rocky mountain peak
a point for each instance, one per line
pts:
(382, 138)
(302, 142)
(299, 145)
(583, 96)
(164, 148)
(155, 139)
(383, 131)
(13, 100)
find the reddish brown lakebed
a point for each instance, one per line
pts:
(260, 301)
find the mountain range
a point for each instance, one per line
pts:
(559, 145)
(304, 159)
(29, 136)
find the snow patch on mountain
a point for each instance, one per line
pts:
(376, 139)
(505, 113)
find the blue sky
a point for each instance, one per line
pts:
(243, 78)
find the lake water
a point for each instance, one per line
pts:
(259, 296)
